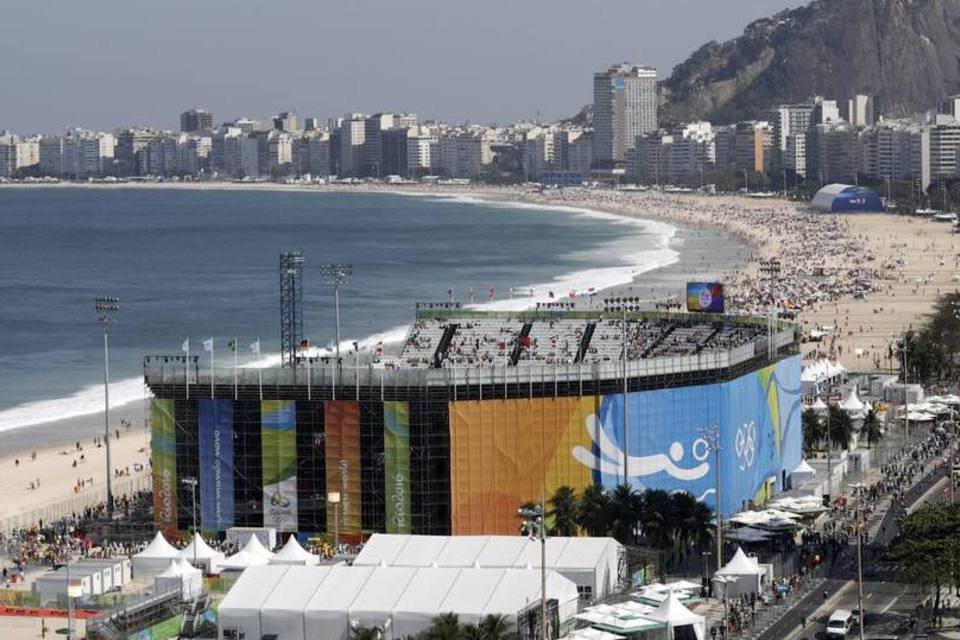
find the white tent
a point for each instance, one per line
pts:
(852, 404)
(819, 405)
(420, 603)
(469, 594)
(747, 573)
(293, 553)
(373, 606)
(520, 587)
(802, 474)
(326, 614)
(155, 558)
(591, 563)
(240, 609)
(255, 547)
(676, 616)
(243, 559)
(282, 611)
(204, 557)
(180, 575)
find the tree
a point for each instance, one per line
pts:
(656, 518)
(690, 520)
(871, 428)
(928, 548)
(563, 510)
(525, 529)
(594, 511)
(840, 427)
(813, 429)
(446, 626)
(625, 509)
(365, 633)
(496, 627)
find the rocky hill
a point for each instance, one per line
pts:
(905, 51)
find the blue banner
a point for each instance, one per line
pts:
(216, 465)
(757, 419)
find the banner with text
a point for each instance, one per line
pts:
(396, 458)
(163, 450)
(216, 464)
(278, 422)
(341, 420)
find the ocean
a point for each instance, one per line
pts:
(203, 263)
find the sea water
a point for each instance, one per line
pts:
(204, 263)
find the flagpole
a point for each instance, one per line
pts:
(186, 367)
(236, 345)
(259, 371)
(212, 393)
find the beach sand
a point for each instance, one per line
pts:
(763, 229)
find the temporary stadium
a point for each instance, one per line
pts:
(476, 414)
(847, 198)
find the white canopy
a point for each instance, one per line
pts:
(180, 575)
(804, 467)
(819, 405)
(293, 553)
(740, 575)
(243, 559)
(674, 614)
(155, 558)
(240, 608)
(852, 404)
(740, 564)
(204, 556)
(255, 547)
(282, 612)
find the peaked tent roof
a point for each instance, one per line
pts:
(674, 613)
(740, 565)
(186, 567)
(852, 402)
(173, 571)
(255, 547)
(243, 559)
(203, 549)
(158, 548)
(804, 467)
(292, 551)
(819, 405)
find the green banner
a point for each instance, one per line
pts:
(396, 453)
(163, 450)
(278, 433)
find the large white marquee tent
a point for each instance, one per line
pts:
(593, 564)
(326, 602)
(155, 558)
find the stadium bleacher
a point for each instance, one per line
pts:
(503, 341)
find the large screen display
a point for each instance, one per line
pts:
(705, 297)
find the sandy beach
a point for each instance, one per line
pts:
(865, 278)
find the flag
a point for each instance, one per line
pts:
(232, 345)
(304, 345)
(185, 347)
(255, 347)
(490, 293)
(208, 345)
(380, 347)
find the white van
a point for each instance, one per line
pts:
(840, 623)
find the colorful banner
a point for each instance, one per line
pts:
(278, 422)
(216, 464)
(341, 424)
(396, 459)
(507, 452)
(163, 451)
(705, 297)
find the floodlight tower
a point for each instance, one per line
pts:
(336, 274)
(105, 308)
(291, 306)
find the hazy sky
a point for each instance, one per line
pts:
(109, 63)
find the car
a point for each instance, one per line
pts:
(840, 623)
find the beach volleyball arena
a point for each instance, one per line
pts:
(477, 414)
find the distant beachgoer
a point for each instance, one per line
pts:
(16, 462)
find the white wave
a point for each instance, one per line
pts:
(89, 401)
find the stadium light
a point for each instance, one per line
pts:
(333, 497)
(534, 523)
(105, 308)
(711, 435)
(336, 274)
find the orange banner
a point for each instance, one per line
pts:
(507, 452)
(341, 419)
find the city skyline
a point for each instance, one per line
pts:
(146, 72)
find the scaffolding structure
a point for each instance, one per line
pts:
(291, 306)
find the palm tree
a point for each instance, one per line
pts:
(496, 627)
(471, 632)
(625, 509)
(840, 427)
(594, 511)
(365, 633)
(812, 429)
(446, 626)
(691, 522)
(525, 529)
(871, 428)
(657, 527)
(563, 510)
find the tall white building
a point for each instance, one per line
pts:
(944, 149)
(790, 135)
(353, 131)
(624, 107)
